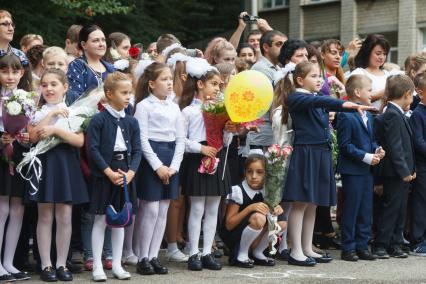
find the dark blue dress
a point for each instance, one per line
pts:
(62, 180)
(310, 175)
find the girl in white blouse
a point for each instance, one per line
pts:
(204, 190)
(163, 145)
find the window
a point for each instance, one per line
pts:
(422, 39)
(273, 4)
(393, 55)
(312, 2)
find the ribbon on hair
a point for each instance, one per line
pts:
(167, 50)
(21, 55)
(282, 72)
(35, 164)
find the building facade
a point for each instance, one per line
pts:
(403, 22)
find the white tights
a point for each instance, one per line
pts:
(153, 219)
(301, 227)
(62, 214)
(10, 207)
(207, 206)
(117, 239)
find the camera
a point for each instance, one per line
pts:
(250, 18)
(191, 52)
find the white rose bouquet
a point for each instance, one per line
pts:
(18, 108)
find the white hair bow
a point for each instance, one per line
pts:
(198, 67)
(141, 66)
(288, 68)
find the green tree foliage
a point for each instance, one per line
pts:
(142, 20)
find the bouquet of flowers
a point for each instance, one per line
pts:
(17, 110)
(275, 177)
(337, 89)
(215, 117)
(80, 112)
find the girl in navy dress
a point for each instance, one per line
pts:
(61, 184)
(163, 145)
(310, 179)
(115, 151)
(204, 190)
(245, 222)
(12, 187)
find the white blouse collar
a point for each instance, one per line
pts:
(115, 113)
(251, 192)
(301, 90)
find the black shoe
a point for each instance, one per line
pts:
(397, 252)
(63, 274)
(264, 262)
(244, 264)
(194, 263)
(21, 275)
(48, 274)
(144, 267)
(366, 255)
(158, 268)
(7, 278)
(309, 261)
(210, 262)
(349, 256)
(74, 268)
(217, 253)
(381, 253)
(283, 255)
(325, 258)
(325, 242)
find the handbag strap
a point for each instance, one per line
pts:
(126, 193)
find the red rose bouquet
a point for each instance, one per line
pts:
(215, 117)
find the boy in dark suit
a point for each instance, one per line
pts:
(358, 151)
(397, 168)
(418, 193)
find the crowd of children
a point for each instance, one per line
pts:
(365, 128)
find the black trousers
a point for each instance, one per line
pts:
(392, 212)
(418, 209)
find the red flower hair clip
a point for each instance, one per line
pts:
(134, 52)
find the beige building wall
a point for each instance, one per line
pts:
(403, 22)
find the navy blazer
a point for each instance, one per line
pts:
(355, 140)
(101, 135)
(395, 136)
(309, 114)
(418, 126)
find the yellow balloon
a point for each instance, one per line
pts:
(248, 96)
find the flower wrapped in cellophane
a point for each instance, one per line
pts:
(80, 112)
(275, 177)
(18, 108)
(215, 118)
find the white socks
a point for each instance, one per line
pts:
(117, 239)
(247, 238)
(63, 216)
(283, 243)
(153, 223)
(172, 247)
(308, 230)
(295, 224)
(207, 206)
(263, 244)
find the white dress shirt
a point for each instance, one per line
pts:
(195, 131)
(120, 145)
(160, 121)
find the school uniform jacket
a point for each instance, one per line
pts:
(418, 126)
(101, 136)
(395, 136)
(355, 139)
(309, 115)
